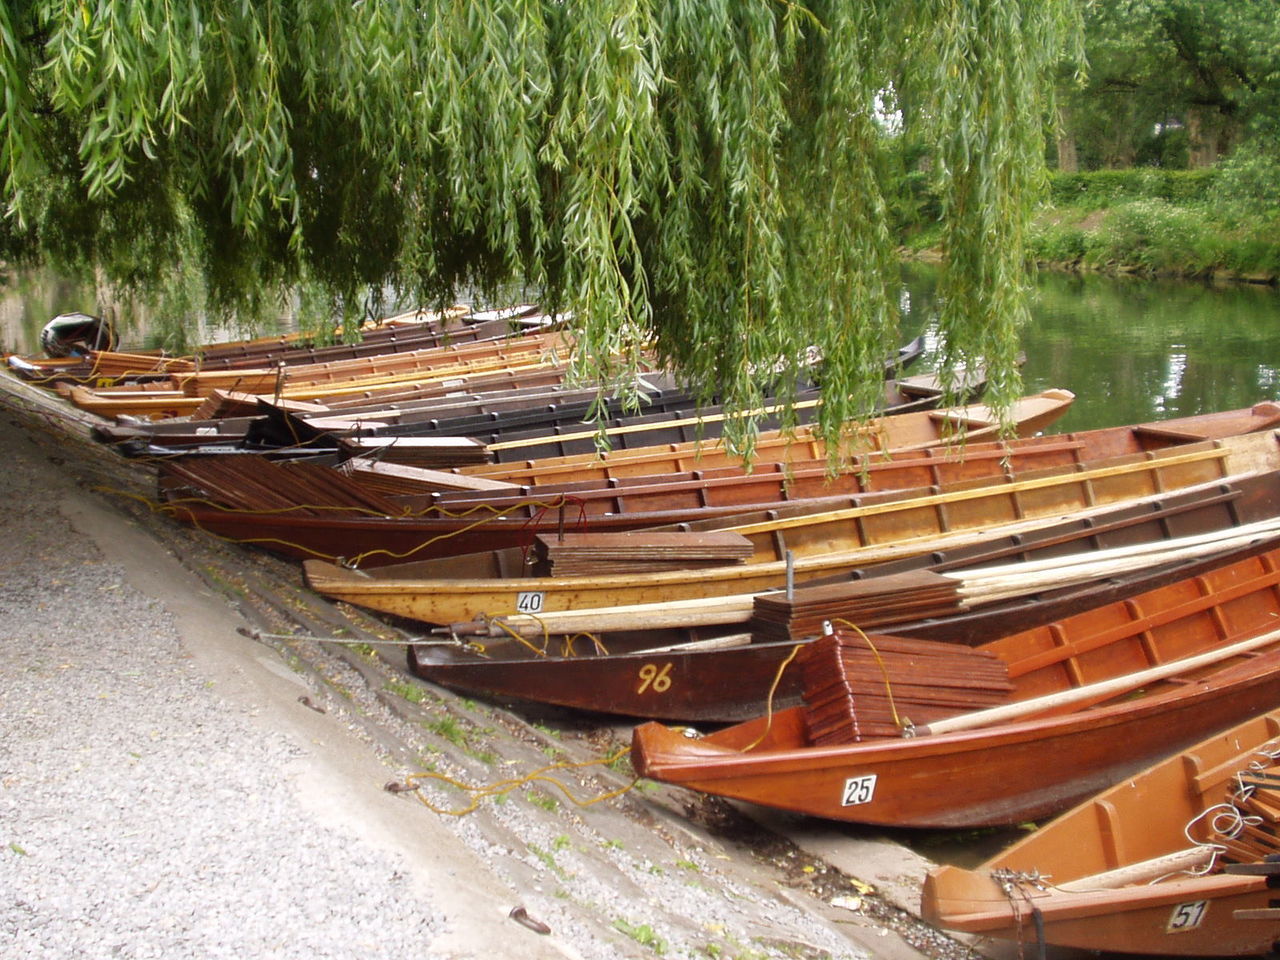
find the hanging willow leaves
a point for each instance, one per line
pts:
(698, 179)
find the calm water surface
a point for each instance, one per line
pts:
(1138, 350)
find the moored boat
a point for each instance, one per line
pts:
(1094, 698)
(913, 431)
(617, 663)
(792, 540)
(1176, 860)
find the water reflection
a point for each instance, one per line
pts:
(1135, 350)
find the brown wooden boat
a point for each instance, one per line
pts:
(437, 365)
(791, 541)
(391, 334)
(1029, 725)
(721, 675)
(365, 526)
(970, 422)
(1177, 860)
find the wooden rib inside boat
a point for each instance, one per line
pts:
(1178, 860)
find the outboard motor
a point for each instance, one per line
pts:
(75, 334)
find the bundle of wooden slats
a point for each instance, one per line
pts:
(858, 688)
(257, 484)
(234, 403)
(868, 603)
(398, 479)
(573, 554)
(1255, 834)
(428, 452)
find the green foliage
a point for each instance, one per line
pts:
(1247, 185)
(702, 178)
(1152, 234)
(1057, 242)
(1098, 189)
(1174, 82)
(643, 934)
(406, 690)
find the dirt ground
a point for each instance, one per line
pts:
(531, 868)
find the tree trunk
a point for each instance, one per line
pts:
(1202, 139)
(1068, 157)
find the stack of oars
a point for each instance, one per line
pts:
(879, 601)
(862, 687)
(235, 403)
(574, 554)
(249, 482)
(1258, 796)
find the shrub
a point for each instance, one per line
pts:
(1107, 188)
(1248, 184)
(1152, 234)
(1056, 243)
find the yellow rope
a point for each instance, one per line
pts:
(478, 793)
(777, 678)
(492, 621)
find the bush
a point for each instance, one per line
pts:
(1056, 243)
(1152, 234)
(1248, 183)
(1107, 188)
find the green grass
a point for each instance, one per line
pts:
(406, 691)
(449, 728)
(642, 934)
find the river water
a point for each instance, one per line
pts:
(1135, 350)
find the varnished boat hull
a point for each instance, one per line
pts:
(823, 544)
(1138, 821)
(1017, 770)
(708, 680)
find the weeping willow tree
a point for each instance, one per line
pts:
(700, 179)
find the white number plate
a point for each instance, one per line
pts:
(1187, 916)
(859, 790)
(529, 601)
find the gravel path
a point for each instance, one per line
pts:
(143, 815)
(171, 789)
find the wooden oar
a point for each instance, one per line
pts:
(1102, 690)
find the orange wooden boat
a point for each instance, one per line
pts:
(1078, 705)
(1140, 868)
(916, 431)
(358, 522)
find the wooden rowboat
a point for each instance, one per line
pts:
(221, 496)
(1093, 698)
(968, 422)
(727, 675)
(1140, 868)
(795, 542)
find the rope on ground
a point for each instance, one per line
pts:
(478, 793)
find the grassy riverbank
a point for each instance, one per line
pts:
(1222, 223)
